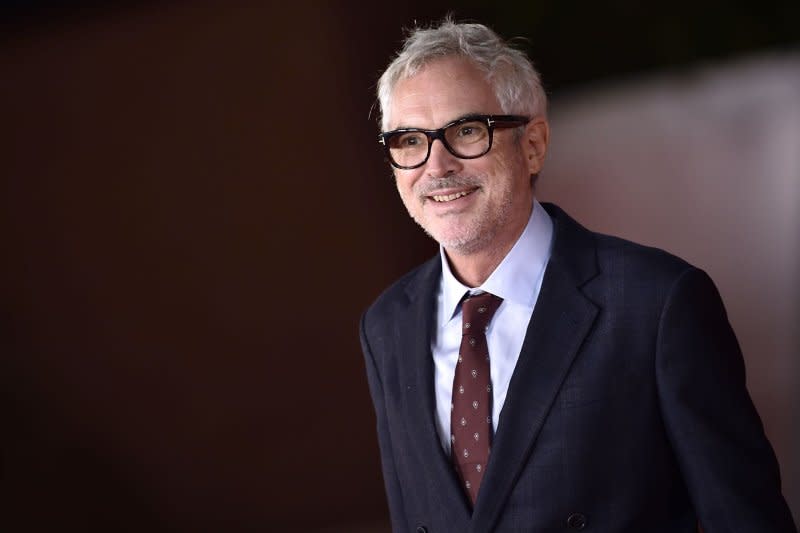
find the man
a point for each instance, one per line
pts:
(536, 376)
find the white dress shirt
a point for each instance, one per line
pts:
(517, 280)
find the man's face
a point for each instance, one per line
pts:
(467, 205)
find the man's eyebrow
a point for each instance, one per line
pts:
(465, 115)
(460, 117)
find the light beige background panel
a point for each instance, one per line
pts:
(704, 163)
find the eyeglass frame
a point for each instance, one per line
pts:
(492, 122)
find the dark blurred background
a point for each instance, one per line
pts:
(194, 213)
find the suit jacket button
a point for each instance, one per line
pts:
(576, 521)
(422, 529)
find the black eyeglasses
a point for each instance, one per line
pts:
(467, 138)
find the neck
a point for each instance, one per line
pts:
(474, 267)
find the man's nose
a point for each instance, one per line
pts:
(441, 162)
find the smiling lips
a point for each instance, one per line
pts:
(440, 198)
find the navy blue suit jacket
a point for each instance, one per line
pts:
(627, 410)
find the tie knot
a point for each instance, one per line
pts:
(477, 311)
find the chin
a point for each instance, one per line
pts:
(462, 242)
(464, 236)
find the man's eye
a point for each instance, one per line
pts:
(409, 140)
(466, 131)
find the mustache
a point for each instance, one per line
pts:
(431, 185)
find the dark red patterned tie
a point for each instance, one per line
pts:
(471, 415)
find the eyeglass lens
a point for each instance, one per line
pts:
(465, 139)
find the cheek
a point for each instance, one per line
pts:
(502, 170)
(405, 187)
(405, 181)
(514, 166)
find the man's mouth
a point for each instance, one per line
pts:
(450, 197)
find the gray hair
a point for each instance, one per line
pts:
(516, 82)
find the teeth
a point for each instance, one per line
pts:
(449, 197)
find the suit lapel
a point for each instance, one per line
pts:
(562, 318)
(413, 333)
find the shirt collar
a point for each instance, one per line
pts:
(517, 276)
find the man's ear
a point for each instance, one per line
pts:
(535, 139)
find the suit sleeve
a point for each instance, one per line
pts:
(390, 479)
(726, 460)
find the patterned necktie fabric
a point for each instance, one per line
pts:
(471, 413)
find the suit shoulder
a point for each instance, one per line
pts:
(618, 255)
(581, 250)
(399, 292)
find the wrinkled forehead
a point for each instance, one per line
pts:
(441, 91)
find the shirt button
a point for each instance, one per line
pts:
(422, 529)
(576, 521)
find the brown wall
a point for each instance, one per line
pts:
(189, 207)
